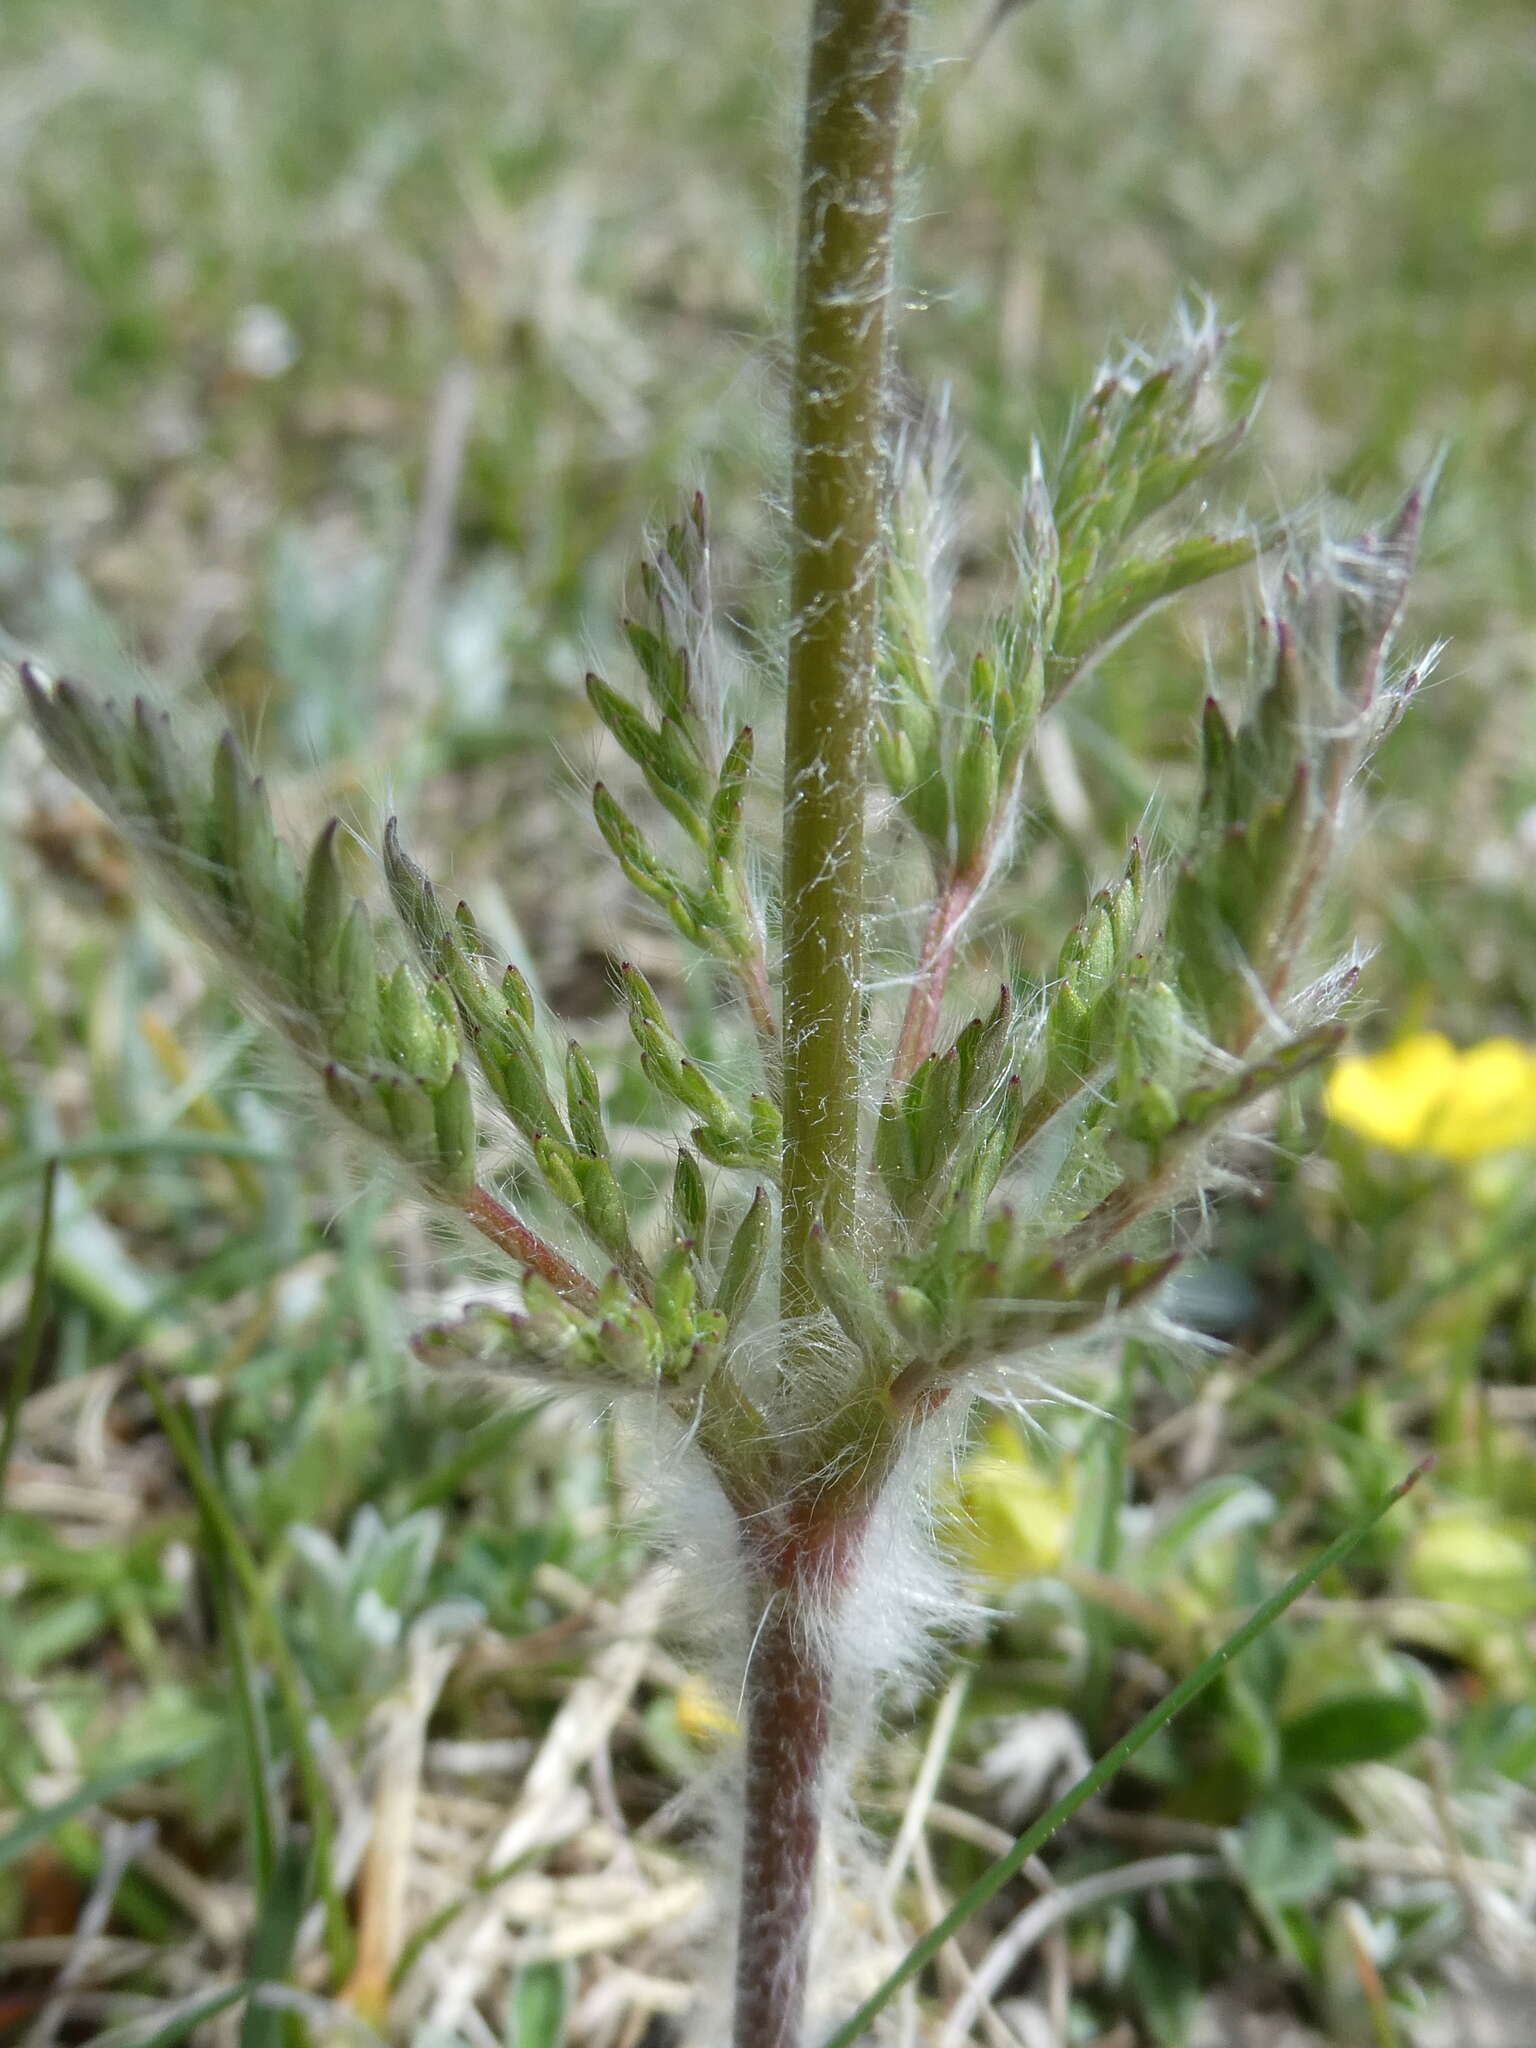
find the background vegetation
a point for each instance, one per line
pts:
(346, 352)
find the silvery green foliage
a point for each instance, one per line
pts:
(1022, 1169)
(353, 1604)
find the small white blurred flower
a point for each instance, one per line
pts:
(262, 344)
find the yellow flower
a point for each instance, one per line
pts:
(1425, 1095)
(1472, 1558)
(1015, 1517)
(700, 1714)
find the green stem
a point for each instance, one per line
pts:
(854, 93)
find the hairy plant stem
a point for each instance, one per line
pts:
(800, 1565)
(847, 200)
(529, 1250)
(789, 1719)
(854, 96)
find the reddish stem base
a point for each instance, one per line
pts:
(789, 1699)
(788, 1722)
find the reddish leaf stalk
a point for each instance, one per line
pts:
(758, 993)
(941, 941)
(526, 1247)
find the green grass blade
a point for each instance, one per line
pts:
(141, 1145)
(289, 1679)
(32, 1330)
(445, 1916)
(1114, 1761)
(250, 1713)
(277, 1927)
(488, 1442)
(38, 1826)
(178, 2024)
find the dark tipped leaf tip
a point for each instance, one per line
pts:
(79, 704)
(39, 691)
(1409, 517)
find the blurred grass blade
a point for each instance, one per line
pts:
(250, 1712)
(289, 1679)
(436, 1923)
(143, 1145)
(177, 2023)
(486, 1445)
(277, 1927)
(1109, 1766)
(37, 1827)
(32, 1329)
